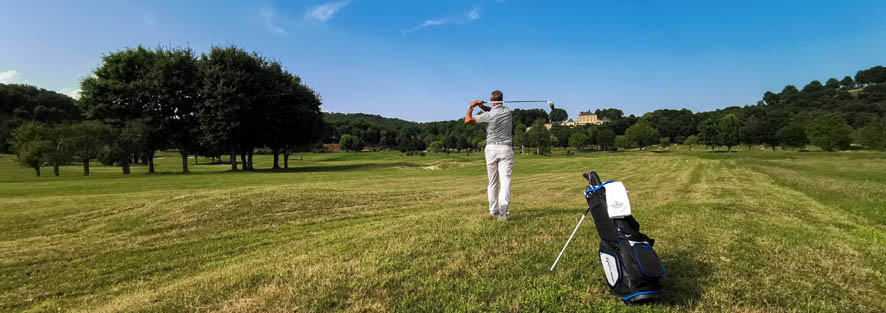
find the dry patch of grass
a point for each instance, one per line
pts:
(375, 232)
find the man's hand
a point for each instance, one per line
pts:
(479, 103)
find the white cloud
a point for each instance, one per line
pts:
(426, 24)
(268, 17)
(324, 12)
(472, 15)
(71, 92)
(8, 77)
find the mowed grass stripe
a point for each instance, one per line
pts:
(377, 232)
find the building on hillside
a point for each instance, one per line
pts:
(588, 117)
(584, 118)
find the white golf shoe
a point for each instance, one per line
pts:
(503, 213)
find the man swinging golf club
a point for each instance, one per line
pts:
(499, 152)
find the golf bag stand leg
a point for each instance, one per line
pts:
(570, 239)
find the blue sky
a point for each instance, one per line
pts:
(425, 60)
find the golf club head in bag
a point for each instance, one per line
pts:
(632, 268)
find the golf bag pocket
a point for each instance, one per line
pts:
(611, 266)
(650, 265)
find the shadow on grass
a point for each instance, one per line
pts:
(684, 283)
(336, 168)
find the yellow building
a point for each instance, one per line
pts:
(588, 117)
(584, 118)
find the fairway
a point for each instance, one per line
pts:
(375, 232)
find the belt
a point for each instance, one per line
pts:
(500, 143)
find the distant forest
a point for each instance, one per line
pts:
(832, 115)
(125, 97)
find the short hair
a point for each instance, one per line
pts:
(497, 96)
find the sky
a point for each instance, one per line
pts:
(426, 60)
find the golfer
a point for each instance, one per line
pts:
(499, 154)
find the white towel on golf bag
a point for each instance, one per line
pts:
(617, 201)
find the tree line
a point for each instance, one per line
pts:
(832, 116)
(23, 103)
(226, 101)
(229, 101)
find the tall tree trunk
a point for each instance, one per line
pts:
(184, 154)
(55, 168)
(243, 160)
(250, 158)
(285, 159)
(149, 157)
(276, 159)
(196, 159)
(85, 167)
(233, 159)
(37, 169)
(125, 164)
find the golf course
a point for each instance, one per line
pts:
(757, 231)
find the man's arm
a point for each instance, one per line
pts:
(470, 119)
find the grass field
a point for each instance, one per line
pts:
(374, 232)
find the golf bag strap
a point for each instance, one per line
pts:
(590, 190)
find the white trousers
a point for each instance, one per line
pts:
(499, 163)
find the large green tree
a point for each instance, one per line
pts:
(847, 82)
(829, 132)
(729, 131)
(753, 131)
(122, 89)
(558, 115)
(606, 138)
(562, 133)
(31, 144)
(872, 136)
(352, 143)
(578, 140)
(642, 134)
(175, 82)
(520, 136)
(708, 134)
(675, 124)
(232, 90)
(529, 117)
(291, 113)
(539, 137)
(791, 136)
(89, 138)
(129, 141)
(691, 140)
(876, 74)
(61, 147)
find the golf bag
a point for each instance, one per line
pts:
(629, 262)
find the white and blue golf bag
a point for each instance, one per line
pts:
(630, 264)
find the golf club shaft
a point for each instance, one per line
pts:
(567, 241)
(517, 101)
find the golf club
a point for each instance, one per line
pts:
(549, 102)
